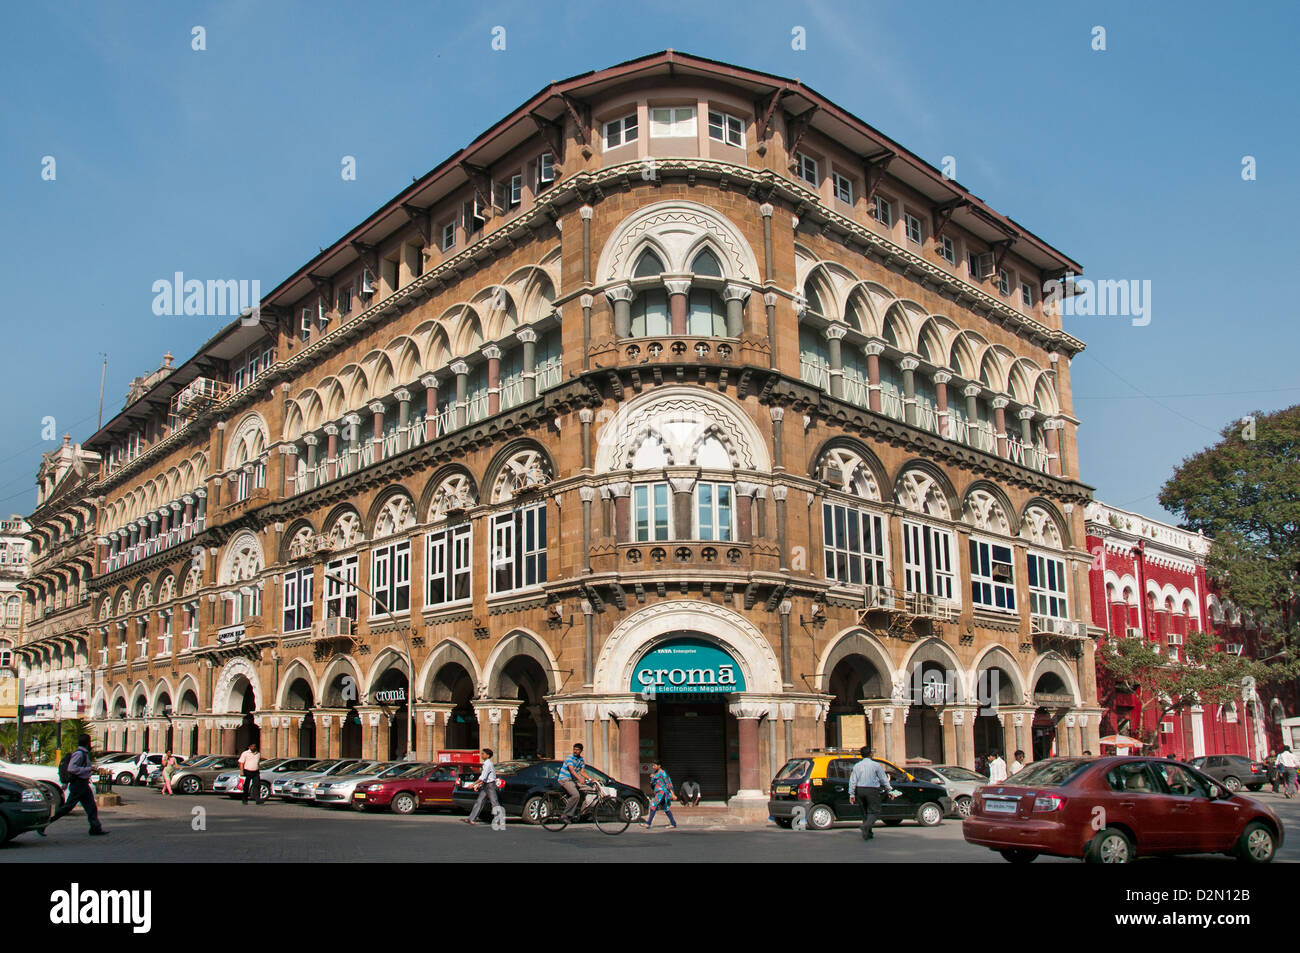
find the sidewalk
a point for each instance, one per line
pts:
(710, 816)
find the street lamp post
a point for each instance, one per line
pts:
(410, 661)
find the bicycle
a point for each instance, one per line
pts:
(599, 803)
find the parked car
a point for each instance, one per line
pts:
(103, 758)
(45, 776)
(423, 786)
(24, 806)
(337, 791)
(125, 772)
(522, 787)
(1143, 806)
(280, 784)
(302, 788)
(196, 778)
(232, 782)
(820, 784)
(1236, 771)
(960, 783)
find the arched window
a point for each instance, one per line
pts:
(648, 265)
(706, 263)
(814, 357)
(891, 388)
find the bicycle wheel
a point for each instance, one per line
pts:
(554, 819)
(611, 817)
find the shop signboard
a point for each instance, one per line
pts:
(687, 667)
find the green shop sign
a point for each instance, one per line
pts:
(687, 666)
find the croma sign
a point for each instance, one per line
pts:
(685, 666)
(390, 696)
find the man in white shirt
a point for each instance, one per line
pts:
(1019, 763)
(486, 785)
(250, 764)
(1286, 763)
(997, 769)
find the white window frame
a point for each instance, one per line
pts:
(340, 598)
(1006, 588)
(842, 186)
(449, 235)
(1004, 282)
(929, 561)
(730, 126)
(805, 164)
(1026, 294)
(882, 210)
(624, 131)
(715, 511)
(390, 579)
(296, 598)
(449, 559)
(912, 225)
(515, 565)
(545, 170)
(643, 502)
(680, 124)
(165, 633)
(1039, 595)
(869, 560)
(948, 250)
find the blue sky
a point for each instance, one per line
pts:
(226, 163)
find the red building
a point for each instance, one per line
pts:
(1148, 581)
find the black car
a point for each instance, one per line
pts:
(522, 787)
(820, 785)
(1235, 771)
(23, 806)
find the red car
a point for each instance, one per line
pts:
(424, 786)
(1110, 810)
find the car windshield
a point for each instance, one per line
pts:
(962, 774)
(409, 771)
(393, 770)
(343, 767)
(1051, 773)
(365, 767)
(794, 769)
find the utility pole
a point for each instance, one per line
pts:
(99, 419)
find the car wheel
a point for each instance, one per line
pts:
(963, 806)
(928, 815)
(1019, 856)
(1111, 846)
(535, 809)
(786, 822)
(820, 817)
(893, 821)
(125, 779)
(54, 795)
(264, 791)
(191, 785)
(1256, 844)
(404, 803)
(1232, 784)
(632, 810)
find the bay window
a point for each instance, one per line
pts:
(298, 600)
(927, 560)
(854, 542)
(519, 548)
(448, 565)
(390, 578)
(341, 588)
(992, 576)
(1047, 586)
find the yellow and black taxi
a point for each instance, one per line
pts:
(818, 783)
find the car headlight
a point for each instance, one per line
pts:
(33, 796)
(374, 787)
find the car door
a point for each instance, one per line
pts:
(436, 787)
(1189, 822)
(835, 789)
(910, 796)
(1135, 799)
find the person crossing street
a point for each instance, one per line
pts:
(486, 785)
(79, 788)
(663, 793)
(867, 785)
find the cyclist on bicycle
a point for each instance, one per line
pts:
(571, 775)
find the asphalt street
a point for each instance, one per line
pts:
(152, 828)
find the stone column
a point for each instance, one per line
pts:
(588, 495)
(403, 419)
(747, 714)
(766, 211)
(777, 415)
(528, 337)
(908, 365)
(834, 338)
(310, 481)
(1026, 415)
(1000, 424)
(779, 494)
(588, 652)
(461, 370)
(493, 355)
(972, 392)
(586, 301)
(430, 382)
(769, 304)
(435, 717)
(332, 451)
(683, 496)
(787, 718)
(873, 349)
(585, 416)
(963, 722)
(620, 297)
(1051, 428)
(629, 714)
(585, 212)
(377, 425)
(1017, 730)
(941, 379)
(289, 469)
(622, 493)
(678, 288)
(734, 296)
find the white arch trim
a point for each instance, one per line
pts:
(225, 684)
(438, 658)
(676, 229)
(879, 658)
(1054, 663)
(648, 627)
(297, 669)
(497, 659)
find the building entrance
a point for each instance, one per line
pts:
(693, 744)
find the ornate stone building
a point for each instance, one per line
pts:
(682, 413)
(13, 570)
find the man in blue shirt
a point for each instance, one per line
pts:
(570, 775)
(865, 784)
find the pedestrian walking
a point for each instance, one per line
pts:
(168, 769)
(79, 788)
(662, 793)
(142, 768)
(689, 792)
(486, 786)
(1274, 775)
(250, 763)
(865, 785)
(997, 768)
(1286, 762)
(1017, 762)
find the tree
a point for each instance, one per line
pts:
(1203, 675)
(1244, 493)
(45, 735)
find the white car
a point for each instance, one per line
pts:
(46, 777)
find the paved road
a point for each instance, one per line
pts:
(150, 827)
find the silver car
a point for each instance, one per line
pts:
(961, 783)
(338, 792)
(280, 784)
(298, 790)
(308, 787)
(230, 783)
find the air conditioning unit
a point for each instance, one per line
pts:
(1234, 648)
(879, 597)
(336, 627)
(1174, 639)
(1133, 632)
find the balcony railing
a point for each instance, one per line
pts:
(817, 374)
